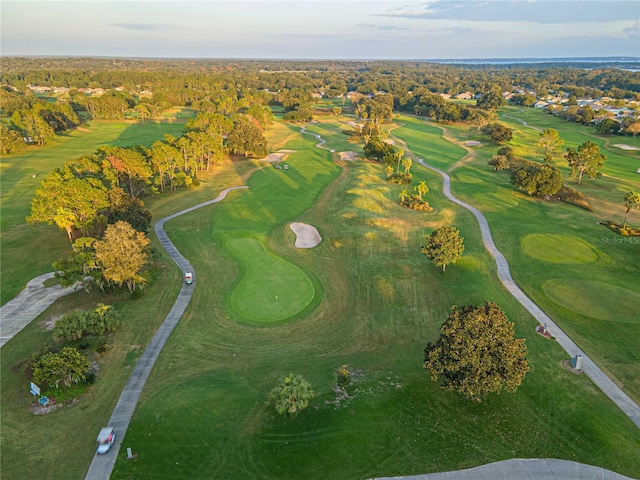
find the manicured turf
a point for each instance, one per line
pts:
(203, 413)
(595, 305)
(22, 175)
(382, 301)
(557, 248)
(612, 345)
(271, 289)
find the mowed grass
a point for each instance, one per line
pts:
(204, 412)
(29, 250)
(560, 231)
(74, 428)
(271, 289)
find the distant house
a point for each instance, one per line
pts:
(540, 104)
(446, 96)
(464, 96)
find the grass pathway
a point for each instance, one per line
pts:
(628, 406)
(102, 465)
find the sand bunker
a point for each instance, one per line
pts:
(390, 142)
(472, 143)
(277, 156)
(307, 236)
(625, 147)
(351, 156)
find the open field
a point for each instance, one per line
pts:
(378, 301)
(382, 303)
(22, 175)
(577, 248)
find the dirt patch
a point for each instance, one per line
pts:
(472, 143)
(307, 236)
(390, 142)
(50, 323)
(350, 156)
(624, 146)
(82, 129)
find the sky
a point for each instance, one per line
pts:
(321, 29)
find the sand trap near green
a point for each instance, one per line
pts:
(271, 289)
(557, 248)
(594, 299)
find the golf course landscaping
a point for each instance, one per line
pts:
(364, 297)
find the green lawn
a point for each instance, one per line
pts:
(378, 301)
(382, 303)
(22, 175)
(549, 241)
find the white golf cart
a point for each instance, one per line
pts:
(106, 437)
(188, 278)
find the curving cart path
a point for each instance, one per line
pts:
(102, 465)
(28, 304)
(322, 141)
(523, 469)
(605, 384)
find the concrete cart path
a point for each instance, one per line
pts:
(605, 384)
(102, 465)
(28, 304)
(523, 469)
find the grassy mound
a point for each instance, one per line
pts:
(272, 289)
(594, 299)
(558, 248)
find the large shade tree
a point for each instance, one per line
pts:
(122, 254)
(549, 142)
(444, 246)
(587, 159)
(477, 352)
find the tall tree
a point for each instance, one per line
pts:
(587, 159)
(133, 169)
(73, 204)
(477, 352)
(122, 253)
(549, 142)
(631, 201)
(422, 189)
(246, 139)
(444, 246)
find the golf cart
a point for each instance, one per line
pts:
(106, 437)
(188, 278)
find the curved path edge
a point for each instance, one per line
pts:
(20, 311)
(523, 469)
(615, 393)
(102, 465)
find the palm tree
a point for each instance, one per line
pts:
(403, 196)
(422, 189)
(406, 163)
(632, 200)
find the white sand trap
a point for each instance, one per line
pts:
(625, 147)
(390, 142)
(472, 143)
(351, 156)
(307, 236)
(277, 156)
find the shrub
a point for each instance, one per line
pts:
(90, 322)
(291, 394)
(400, 178)
(415, 203)
(343, 377)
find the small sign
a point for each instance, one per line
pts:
(35, 389)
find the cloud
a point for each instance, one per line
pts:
(541, 11)
(382, 27)
(633, 31)
(146, 27)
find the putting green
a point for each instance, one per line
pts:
(594, 299)
(272, 289)
(558, 248)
